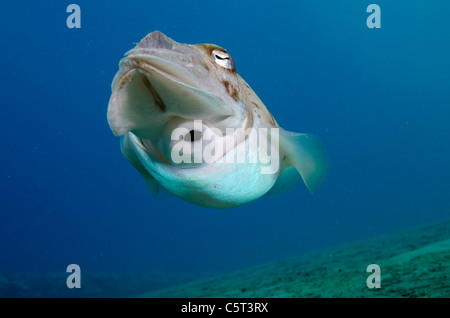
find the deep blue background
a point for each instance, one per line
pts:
(379, 98)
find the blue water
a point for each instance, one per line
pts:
(379, 98)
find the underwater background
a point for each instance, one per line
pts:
(378, 98)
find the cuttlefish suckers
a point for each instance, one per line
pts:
(193, 127)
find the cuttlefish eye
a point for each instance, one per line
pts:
(223, 59)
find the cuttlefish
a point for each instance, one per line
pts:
(194, 128)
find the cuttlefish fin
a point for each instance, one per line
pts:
(306, 153)
(288, 180)
(130, 155)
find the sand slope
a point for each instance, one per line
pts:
(414, 263)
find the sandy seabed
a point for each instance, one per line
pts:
(413, 263)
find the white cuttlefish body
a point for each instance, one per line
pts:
(192, 126)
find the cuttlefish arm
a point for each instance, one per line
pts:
(302, 157)
(136, 104)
